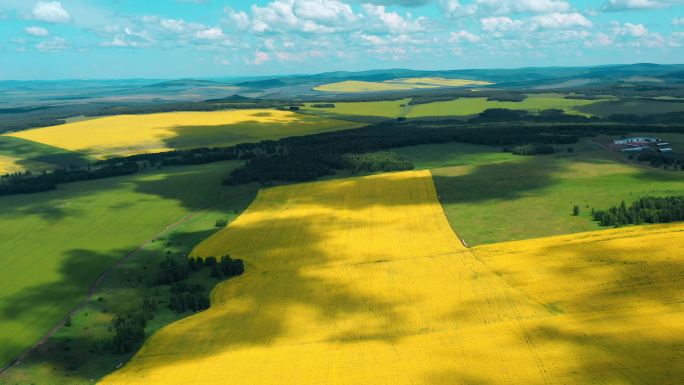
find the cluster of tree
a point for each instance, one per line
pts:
(171, 271)
(27, 182)
(385, 161)
(129, 327)
(644, 210)
(227, 267)
(323, 105)
(312, 156)
(531, 149)
(659, 159)
(188, 297)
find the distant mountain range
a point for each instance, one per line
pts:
(31, 93)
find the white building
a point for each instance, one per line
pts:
(637, 139)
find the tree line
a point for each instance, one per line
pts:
(644, 210)
(309, 157)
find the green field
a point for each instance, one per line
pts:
(632, 106)
(532, 197)
(35, 156)
(55, 244)
(474, 106)
(384, 109)
(121, 290)
(452, 154)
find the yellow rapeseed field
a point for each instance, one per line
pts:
(132, 134)
(396, 84)
(9, 165)
(362, 281)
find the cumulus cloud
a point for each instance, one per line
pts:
(215, 33)
(392, 21)
(237, 20)
(36, 31)
(460, 36)
(56, 44)
(51, 12)
(260, 57)
(678, 22)
(484, 8)
(629, 29)
(560, 21)
(632, 5)
(499, 24)
(599, 40)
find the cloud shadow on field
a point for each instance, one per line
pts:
(496, 181)
(623, 319)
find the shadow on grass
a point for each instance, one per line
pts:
(27, 152)
(495, 181)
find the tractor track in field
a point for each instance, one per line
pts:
(104, 275)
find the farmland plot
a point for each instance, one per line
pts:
(361, 281)
(132, 134)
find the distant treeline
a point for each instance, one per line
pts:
(644, 210)
(27, 182)
(533, 149)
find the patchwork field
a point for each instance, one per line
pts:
(473, 106)
(55, 244)
(362, 281)
(351, 86)
(131, 134)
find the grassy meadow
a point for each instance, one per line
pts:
(130, 134)
(474, 106)
(384, 109)
(55, 244)
(529, 197)
(352, 86)
(632, 106)
(340, 284)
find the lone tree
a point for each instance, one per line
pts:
(576, 210)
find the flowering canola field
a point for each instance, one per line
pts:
(132, 134)
(362, 281)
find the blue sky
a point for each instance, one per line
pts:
(218, 38)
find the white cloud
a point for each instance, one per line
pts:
(507, 7)
(392, 21)
(173, 25)
(632, 5)
(36, 31)
(453, 9)
(629, 29)
(56, 44)
(500, 24)
(51, 12)
(560, 21)
(678, 22)
(484, 8)
(599, 40)
(238, 20)
(215, 33)
(460, 36)
(260, 57)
